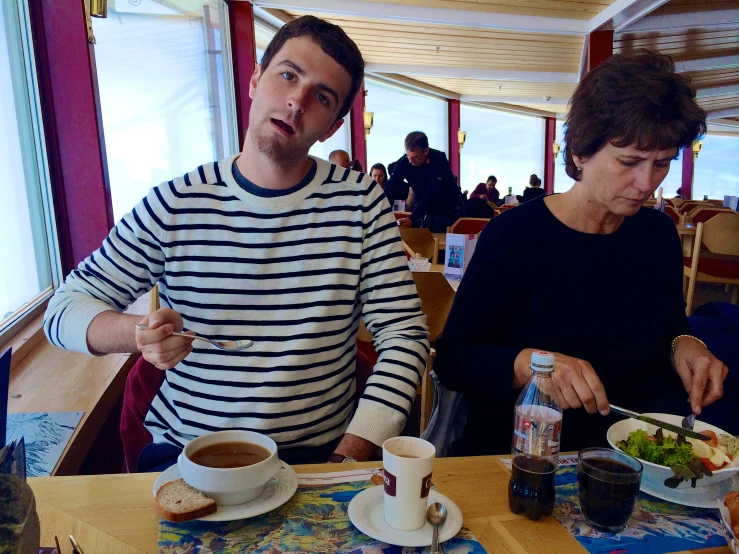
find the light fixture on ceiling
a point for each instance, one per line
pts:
(547, 98)
(369, 121)
(697, 145)
(461, 137)
(99, 8)
(555, 148)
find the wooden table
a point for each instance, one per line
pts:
(115, 513)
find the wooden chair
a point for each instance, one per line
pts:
(401, 215)
(154, 299)
(468, 225)
(421, 241)
(674, 215)
(720, 264)
(427, 393)
(689, 205)
(701, 214)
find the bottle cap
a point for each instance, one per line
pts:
(542, 362)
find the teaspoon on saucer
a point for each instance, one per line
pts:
(225, 345)
(436, 515)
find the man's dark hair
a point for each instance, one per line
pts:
(493, 179)
(333, 40)
(416, 141)
(632, 98)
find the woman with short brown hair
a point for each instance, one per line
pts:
(587, 275)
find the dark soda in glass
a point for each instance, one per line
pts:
(531, 488)
(608, 486)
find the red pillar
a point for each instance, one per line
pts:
(73, 129)
(688, 167)
(600, 48)
(244, 55)
(550, 130)
(454, 124)
(358, 138)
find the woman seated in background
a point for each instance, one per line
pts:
(587, 275)
(379, 174)
(534, 190)
(481, 192)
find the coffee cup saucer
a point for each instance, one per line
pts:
(279, 489)
(367, 513)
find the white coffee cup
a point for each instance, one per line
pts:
(408, 463)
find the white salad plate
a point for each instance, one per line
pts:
(279, 490)
(699, 497)
(367, 513)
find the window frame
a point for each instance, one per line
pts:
(36, 305)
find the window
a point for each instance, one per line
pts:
(717, 167)
(29, 270)
(164, 74)
(399, 111)
(509, 146)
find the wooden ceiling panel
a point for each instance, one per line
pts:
(683, 44)
(719, 102)
(714, 77)
(571, 9)
(398, 42)
(545, 108)
(500, 88)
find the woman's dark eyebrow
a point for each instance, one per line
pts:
(300, 71)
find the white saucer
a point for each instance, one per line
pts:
(279, 490)
(366, 512)
(701, 497)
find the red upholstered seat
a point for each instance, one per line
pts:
(704, 215)
(469, 226)
(728, 269)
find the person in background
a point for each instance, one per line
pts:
(233, 246)
(612, 311)
(340, 158)
(679, 193)
(534, 190)
(438, 200)
(356, 165)
(379, 174)
(492, 193)
(480, 192)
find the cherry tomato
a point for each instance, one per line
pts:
(714, 439)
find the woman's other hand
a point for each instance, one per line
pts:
(702, 373)
(576, 384)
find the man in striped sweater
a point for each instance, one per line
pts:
(270, 245)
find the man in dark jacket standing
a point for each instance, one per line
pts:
(438, 200)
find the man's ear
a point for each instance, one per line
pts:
(331, 130)
(254, 80)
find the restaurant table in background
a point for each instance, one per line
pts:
(115, 513)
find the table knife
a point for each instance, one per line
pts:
(667, 426)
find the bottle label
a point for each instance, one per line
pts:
(537, 430)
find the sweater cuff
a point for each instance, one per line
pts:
(74, 324)
(375, 424)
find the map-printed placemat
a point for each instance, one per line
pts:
(655, 527)
(314, 520)
(46, 435)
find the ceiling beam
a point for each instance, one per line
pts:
(724, 123)
(634, 13)
(704, 64)
(689, 20)
(407, 82)
(473, 73)
(608, 18)
(720, 114)
(514, 99)
(723, 90)
(511, 108)
(438, 16)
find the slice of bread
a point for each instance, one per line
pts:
(177, 502)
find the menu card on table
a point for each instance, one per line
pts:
(314, 520)
(459, 250)
(655, 527)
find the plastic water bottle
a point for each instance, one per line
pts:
(535, 445)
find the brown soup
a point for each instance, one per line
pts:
(230, 454)
(407, 456)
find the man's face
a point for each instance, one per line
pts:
(417, 157)
(295, 101)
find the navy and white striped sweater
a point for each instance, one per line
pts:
(294, 273)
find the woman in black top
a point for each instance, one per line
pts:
(534, 190)
(587, 274)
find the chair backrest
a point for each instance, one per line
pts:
(468, 225)
(687, 206)
(437, 297)
(672, 212)
(721, 234)
(4, 386)
(401, 215)
(702, 214)
(420, 241)
(154, 299)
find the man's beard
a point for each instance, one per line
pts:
(277, 151)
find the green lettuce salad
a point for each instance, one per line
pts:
(677, 454)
